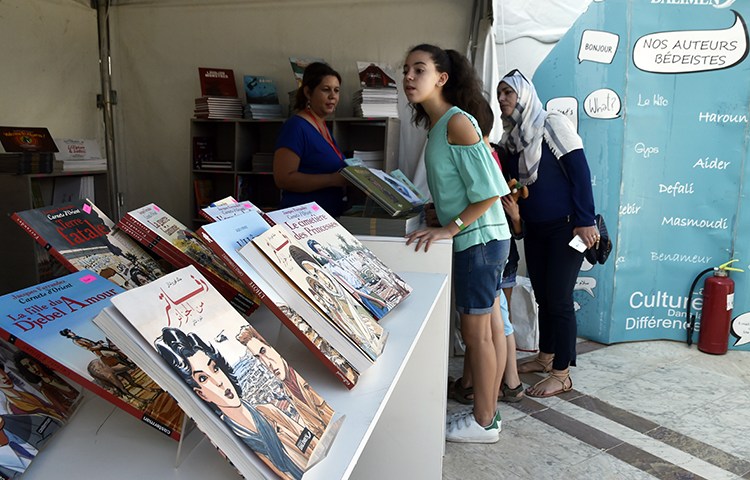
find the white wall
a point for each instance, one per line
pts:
(49, 74)
(157, 47)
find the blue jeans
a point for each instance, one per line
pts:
(477, 273)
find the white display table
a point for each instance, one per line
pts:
(394, 426)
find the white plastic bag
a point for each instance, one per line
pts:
(525, 316)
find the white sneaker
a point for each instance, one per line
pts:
(461, 412)
(466, 430)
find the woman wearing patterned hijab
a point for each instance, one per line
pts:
(546, 154)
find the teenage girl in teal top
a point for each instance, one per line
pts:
(465, 184)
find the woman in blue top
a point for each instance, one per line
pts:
(307, 160)
(465, 184)
(546, 154)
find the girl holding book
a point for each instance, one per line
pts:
(465, 184)
(307, 159)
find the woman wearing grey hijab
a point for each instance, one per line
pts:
(546, 154)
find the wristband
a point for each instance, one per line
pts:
(459, 223)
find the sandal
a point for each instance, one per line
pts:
(562, 376)
(461, 394)
(465, 395)
(536, 365)
(511, 395)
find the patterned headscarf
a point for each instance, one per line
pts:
(529, 124)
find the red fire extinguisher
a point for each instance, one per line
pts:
(716, 314)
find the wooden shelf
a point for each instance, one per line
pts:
(236, 141)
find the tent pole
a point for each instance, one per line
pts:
(107, 100)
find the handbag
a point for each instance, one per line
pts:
(601, 250)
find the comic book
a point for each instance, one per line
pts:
(226, 209)
(158, 231)
(239, 391)
(225, 238)
(52, 322)
(362, 274)
(80, 236)
(35, 402)
(316, 295)
(386, 194)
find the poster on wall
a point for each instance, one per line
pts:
(658, 91)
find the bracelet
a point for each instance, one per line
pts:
(459, 223)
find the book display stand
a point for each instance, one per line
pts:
(395, 416)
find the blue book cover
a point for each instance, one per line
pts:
(53, 322)
(260, 89)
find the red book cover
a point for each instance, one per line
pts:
(217, 82)
(26, 140)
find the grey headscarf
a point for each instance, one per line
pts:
(529, 124)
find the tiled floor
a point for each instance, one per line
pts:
(639, 410)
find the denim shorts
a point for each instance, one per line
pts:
(477, 272)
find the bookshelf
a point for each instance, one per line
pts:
(243, 151)
(28, 264)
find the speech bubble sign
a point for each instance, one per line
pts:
(741, 329)
(603, 103)
(586, 266)
(568, 106)
(598, 46)
(587, 284)
(689, 51)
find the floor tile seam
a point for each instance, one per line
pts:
(613, 451)
(651, 445)
(630, 420)
(651, 464)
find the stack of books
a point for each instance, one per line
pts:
(79, 155)
(26, 150)
(164, 235)
(262, 98)
(378, 96)
(206, 157)
(371, 159)
(259, 111)
(263, 112)
(218, 98)
(218, 107)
